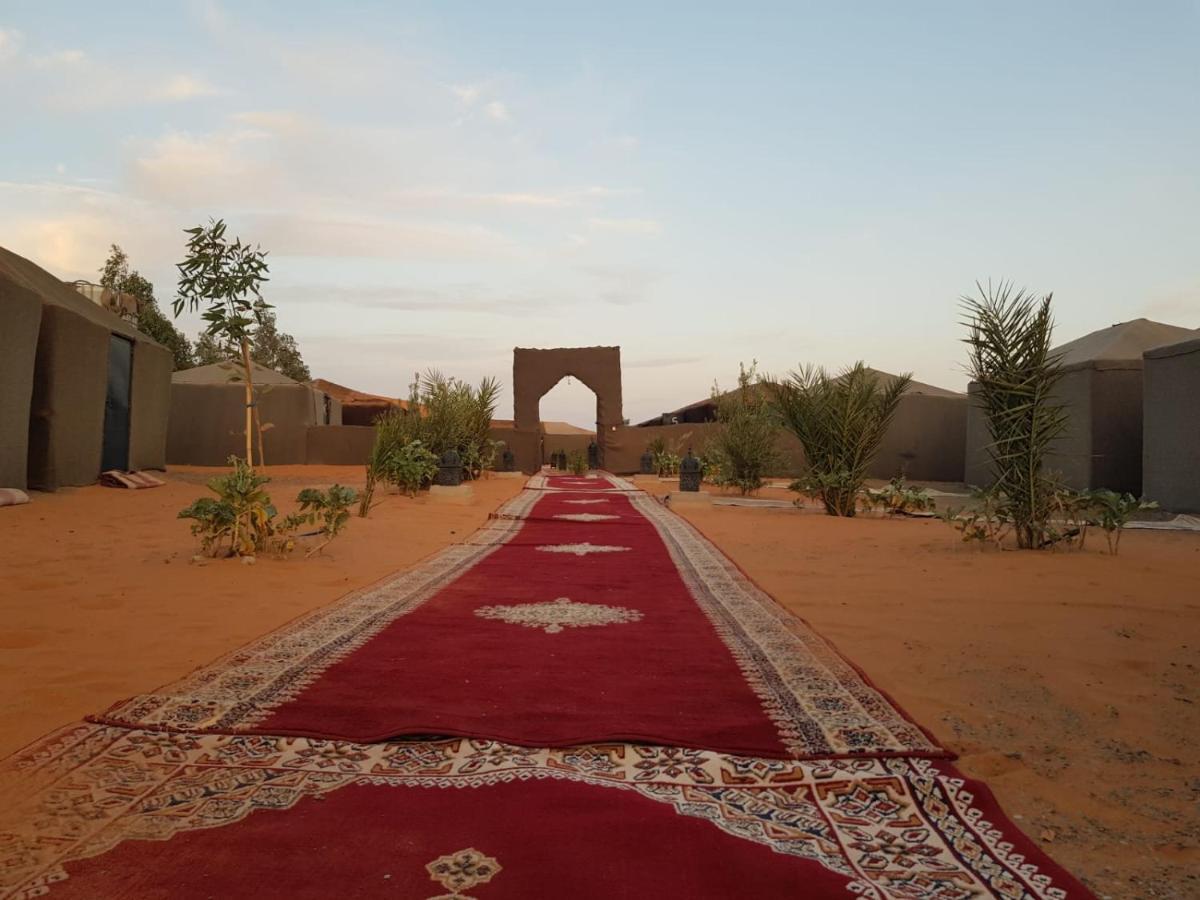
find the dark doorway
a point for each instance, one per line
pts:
(116, 404)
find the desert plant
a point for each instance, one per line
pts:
(666, 463)
(577, 462)
(410, 467)
(330, 509)
(227, 279)
(897, 498)
(1111, 512)
(1009, 335)
(988, 521)
(743, 448)
(840, 421)
(238, 521)
(456, 416)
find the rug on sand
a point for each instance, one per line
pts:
(585, 617)
(583, 613)
(102, 812)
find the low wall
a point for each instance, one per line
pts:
(624, 447)
(569, 443)
(339, 445)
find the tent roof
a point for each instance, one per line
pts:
(226, 372)
(31, 276)
(346, 395)
(1121, 345)
(1183, 347)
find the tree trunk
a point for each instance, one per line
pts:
(249, 403)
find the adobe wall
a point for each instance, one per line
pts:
(552, 443)
(338, 445)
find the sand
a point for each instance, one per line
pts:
(1068, 681)
(99, 598)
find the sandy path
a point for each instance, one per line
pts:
(99, 599)
(1069, 682)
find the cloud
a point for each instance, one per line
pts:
(10, 43)
(629, 226)
(467, 93)
(498, 111)
(183, 87)
(459, 298)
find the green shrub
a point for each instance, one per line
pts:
(898, 497)
(241, 520)
(577, 462)
(744, 446)
(1111, 512)
(410, 467)
(840, 421)
(1010, 336)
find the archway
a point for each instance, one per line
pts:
(568, 418)
(536, 371)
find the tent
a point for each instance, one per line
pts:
(1171, 425)
(1102, 389)
(208, 409)
(358, 408)
(83, 390)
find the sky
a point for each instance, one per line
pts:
(702, 185)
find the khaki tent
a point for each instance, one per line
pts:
(208, 415)
(81, 389)
(1171, 425)
(1102, 389)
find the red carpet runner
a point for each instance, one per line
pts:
(708, 746)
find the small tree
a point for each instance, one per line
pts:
(278, 350)
(840, 421)
(227, 279)
(744, 446)
(1009, 335)
(118, 277)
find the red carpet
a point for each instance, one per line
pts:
(582, 615)
(636, 720)
(138, 815)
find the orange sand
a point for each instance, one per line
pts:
(99, 598)
(1067, 681)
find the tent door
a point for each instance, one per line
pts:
(116, 404)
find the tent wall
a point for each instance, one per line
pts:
(66, 422)
(1116, 426)
(150, 406)
(977, 466)
(20, 322)
(1072, 455)
(1171, 426)
(207, 422)
(926, 440)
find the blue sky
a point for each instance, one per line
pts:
(438, 183)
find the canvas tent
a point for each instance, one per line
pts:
(81, 389)
(208, 408)
(1102, 389)
(1171, 425)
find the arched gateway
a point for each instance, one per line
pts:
(535, 372)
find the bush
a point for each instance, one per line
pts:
(743, 448)
(577, 462)
(840, 422)
(241, 520)
(898, 498)
(410, 467)
(1009, 335)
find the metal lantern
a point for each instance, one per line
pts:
(508, 461)
(560, 460)
(593, 456)
(450, 470)
(689, 473)
(647, 463)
